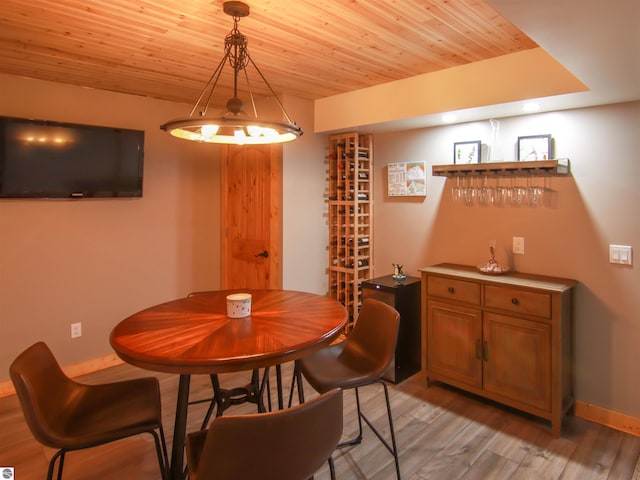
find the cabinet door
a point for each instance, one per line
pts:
(518, 359)
(453, 342)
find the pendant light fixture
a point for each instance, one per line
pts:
(235, 125)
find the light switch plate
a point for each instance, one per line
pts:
(621, 254)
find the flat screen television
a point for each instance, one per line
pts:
(45, 159)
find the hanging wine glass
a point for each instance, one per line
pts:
(457, 192)
(486, 193)
(535, 193)
(470, 193)
(501, 194)
(518, 194)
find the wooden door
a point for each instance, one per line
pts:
(251, 198)
(453, 343)
(518, 362)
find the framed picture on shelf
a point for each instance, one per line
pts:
(467, 152)
(534, 147)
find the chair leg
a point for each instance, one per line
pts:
(161, 451)
(52, 463)
(393, 448)
(358, 438)
(296, 379)
(268, 389)
(259, 387)
(394, 452)
(279, 386)
(332, 468)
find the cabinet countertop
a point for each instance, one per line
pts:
(516, 279)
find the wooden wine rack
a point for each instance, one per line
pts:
(350, 218)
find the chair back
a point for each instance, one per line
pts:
(290, 444)
(44, 392)
(373, 339)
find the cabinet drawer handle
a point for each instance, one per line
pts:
(515, 301)
(451, 290)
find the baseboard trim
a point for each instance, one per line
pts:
(608, 418)
(74, 370)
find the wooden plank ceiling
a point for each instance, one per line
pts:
(168, 49)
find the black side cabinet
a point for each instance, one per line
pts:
(405, 298)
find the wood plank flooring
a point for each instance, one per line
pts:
(442, 434)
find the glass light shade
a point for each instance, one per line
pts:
(237, 131)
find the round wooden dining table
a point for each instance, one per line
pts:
(194, 335)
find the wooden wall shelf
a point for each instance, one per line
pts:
(547, 168)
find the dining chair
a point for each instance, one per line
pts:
(66, 415)
(358, 361)
(223, 398)
(289, 444)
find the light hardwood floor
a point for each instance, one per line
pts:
(442, 434)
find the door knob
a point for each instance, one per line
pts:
(264, 254)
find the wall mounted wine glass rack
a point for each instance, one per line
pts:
(547, 168)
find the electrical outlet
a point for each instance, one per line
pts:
(518, 245)
(76, 330)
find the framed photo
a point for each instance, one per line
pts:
(467, 152)
(407, 179)
(534, 147)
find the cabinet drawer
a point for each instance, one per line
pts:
(458, 290)
(516, 300)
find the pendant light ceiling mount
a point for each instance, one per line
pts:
(234, 126)
(236, 9)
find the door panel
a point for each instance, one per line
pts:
(453, 336)
(518, 363)
(251, 191)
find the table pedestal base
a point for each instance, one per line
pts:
(223, 398)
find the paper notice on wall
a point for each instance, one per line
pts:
(407, 179)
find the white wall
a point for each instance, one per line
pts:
(97, 261)
(569, 237)
(305, 235)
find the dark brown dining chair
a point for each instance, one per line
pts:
(359, 360)
(66, 415)
(289, 444)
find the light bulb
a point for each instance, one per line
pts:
(270, 132)
(209, 130)
(255, 131)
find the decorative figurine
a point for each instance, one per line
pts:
(398, 274)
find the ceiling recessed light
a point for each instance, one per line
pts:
(448, 118)
(531, 107)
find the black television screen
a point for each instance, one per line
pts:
(44, 159)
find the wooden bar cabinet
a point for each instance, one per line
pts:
(506, 337)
